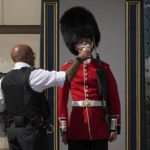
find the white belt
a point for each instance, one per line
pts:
(86, 103)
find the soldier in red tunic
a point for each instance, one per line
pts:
(86, 129)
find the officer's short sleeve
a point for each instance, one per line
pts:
(42, 79)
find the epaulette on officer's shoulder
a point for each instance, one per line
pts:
(31, 68)
(70, 61)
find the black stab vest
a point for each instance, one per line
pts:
(20, 99)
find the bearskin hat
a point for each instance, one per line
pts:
(77, 23)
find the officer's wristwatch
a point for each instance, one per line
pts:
(79, 59)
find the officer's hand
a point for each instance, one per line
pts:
(85, 54)
(112, 137)
(65, 139)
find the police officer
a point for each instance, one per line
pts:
(86, 129)
(22, 92)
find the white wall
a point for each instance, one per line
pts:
(110, 16)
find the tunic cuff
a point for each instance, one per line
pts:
(63, 126)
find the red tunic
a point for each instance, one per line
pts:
(88, 123)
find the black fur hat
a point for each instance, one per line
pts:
(77, 23)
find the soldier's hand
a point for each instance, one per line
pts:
(65, 139)
(112, 136)
(85, 55)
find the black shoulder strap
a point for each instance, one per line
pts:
(102, 86)
(101, 77)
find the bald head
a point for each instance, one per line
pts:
(22, 53)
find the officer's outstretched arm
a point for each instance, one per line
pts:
(72, 70)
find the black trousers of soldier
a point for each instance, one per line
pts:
(88, 145)
(27, 138)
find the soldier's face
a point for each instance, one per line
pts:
(83, 44)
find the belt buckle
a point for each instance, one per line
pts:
(87, 104)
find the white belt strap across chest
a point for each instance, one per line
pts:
(87, 103)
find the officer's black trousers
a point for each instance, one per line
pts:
(27, 138)
(88, 145)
